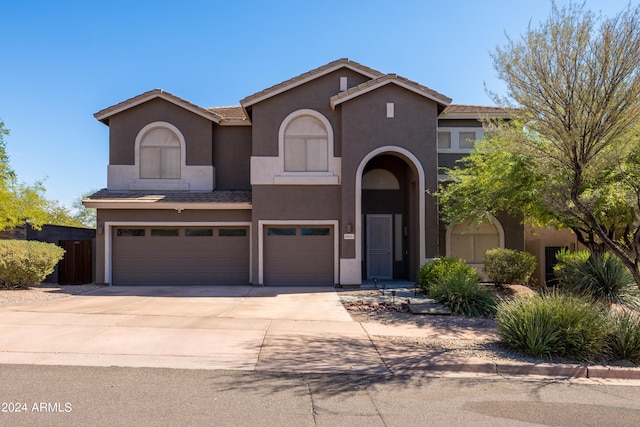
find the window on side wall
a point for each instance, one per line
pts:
(160, 154)
(458, 140)
(306, 145)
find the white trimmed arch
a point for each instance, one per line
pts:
(161, 125)
(351, 268)
(282, 132)
(491, 219)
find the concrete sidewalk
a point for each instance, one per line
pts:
(237, 328)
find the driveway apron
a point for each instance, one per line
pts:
(301, 329)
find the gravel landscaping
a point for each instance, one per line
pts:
(367, 305)
(42, 292)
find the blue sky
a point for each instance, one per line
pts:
(62, 61)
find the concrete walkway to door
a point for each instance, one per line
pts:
(241, 327)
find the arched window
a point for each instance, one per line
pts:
(160, 154)
(306, 147)
(469, 240)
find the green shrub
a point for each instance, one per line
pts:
(24, 263)
(508, 266)
(624, 339)
(460, 292)
(553, 325)
(602, 277)
(442, 268)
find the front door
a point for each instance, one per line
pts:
(379, 246)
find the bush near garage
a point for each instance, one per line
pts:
(441, 269)
(509, 266)
(24, 263)
(554, 325)
(600, 276)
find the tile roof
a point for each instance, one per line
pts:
(232, 112)
(216, 196)
(457, 108)
(302, 78)
(474, 111)
(103, 115)
(386, 79)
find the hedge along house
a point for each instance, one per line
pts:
(323, 179)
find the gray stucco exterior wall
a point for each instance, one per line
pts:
(232, 157)
(125, 126)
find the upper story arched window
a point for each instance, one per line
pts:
(306, 142)
(160, 151)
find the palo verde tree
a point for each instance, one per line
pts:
(571, 155)
(19, 202)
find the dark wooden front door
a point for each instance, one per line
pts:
(76, 268)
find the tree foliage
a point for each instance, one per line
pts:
(19, 202)
(22, 203)
(84, 215)
(571, 155)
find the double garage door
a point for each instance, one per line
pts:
(180, 255)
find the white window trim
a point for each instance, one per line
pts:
(176, 132)
(266, 170)
(455, 138)
(262, 224)
(108, 237)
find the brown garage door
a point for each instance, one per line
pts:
(298, 255)
(180, 255)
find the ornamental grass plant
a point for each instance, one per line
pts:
(624, 339)
(554, 325)
(602, 277)
(461, 293)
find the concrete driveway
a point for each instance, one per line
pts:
(240, 327)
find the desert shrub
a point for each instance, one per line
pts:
(442, 268)
(460, 292)
(24, 263)
(508, 266)
(602, 277)
(553, 325)
(624, 339)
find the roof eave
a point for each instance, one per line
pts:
(154, 204)
(474, 115)
(346, 96)
(104, 115)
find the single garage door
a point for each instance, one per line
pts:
(298, 255)
(180, 255)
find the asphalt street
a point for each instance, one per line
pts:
(115, 396)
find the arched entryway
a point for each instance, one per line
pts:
(391, 214)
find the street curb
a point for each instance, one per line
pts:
(541, 369)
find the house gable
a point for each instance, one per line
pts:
(309, 76)
(394, 79)
(105, 115)
(190, 134)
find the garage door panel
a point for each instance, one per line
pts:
(182, 259)
(300, 259)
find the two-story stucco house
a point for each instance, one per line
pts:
(323, 179)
